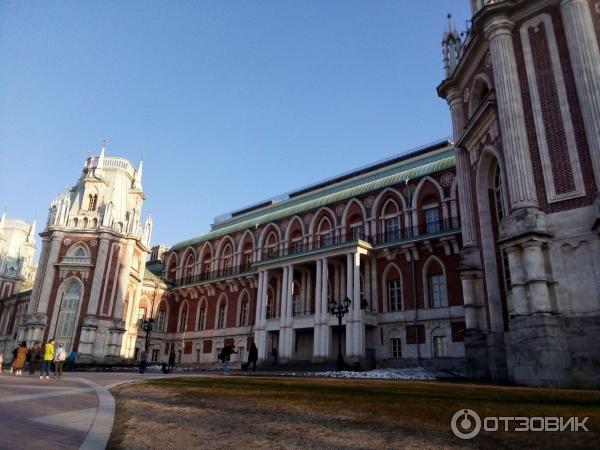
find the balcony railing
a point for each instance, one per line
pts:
(391, 237)
(214, 275)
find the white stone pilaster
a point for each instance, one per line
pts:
(519, 170)
(98, 276)
(467, 212)
(44, 295)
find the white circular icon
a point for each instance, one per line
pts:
(465, 424)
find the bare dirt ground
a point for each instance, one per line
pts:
(265, 413)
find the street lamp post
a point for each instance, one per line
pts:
(147, 326)
(339, 310)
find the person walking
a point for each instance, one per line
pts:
(14, 360)
(34, 357)
(59, 359)
(252, 356)
(1, 361)
(19, 361)
(225, 355)
(71, 359)
(171, 361)
(48, 358)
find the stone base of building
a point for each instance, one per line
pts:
(485, 356)
(538, 351)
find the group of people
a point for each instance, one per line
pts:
(228, 350)
(48, 357)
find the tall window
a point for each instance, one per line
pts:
(394, 288)
(432, 219)
(160, 320)
(221, 316)
(244, 314)
(198, 354)
(248, 259)
(140, 317)
(155, 354)
(440, 348)
(438, 296)
(202, 317)
(396, 347)
(183, 322)
(357, 231)
(93, 201)
(68, 314)
(270, 305)
(392, 229)
(296, 300)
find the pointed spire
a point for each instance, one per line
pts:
(137, 182)
(31, 235)
(100, 164)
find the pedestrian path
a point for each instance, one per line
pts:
(74, 412)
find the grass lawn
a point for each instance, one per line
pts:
(262, 412)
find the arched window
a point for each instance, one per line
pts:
(500, 209)
(435, 279)
(296, 299)
(431, 209)
(94, 223)
(391, 221)
(202, 317)
(357, 230)
(270, 303)
(67, 317)
(394, 294)
(75, 222)
(92, 202)
(85, 222)
(221, 314)
(80, 253)
(188, 270)
(296, 242)
(183, 319)
(244, 312)
(161, 318)
(272, 245)
(325, 233)
(227, 259)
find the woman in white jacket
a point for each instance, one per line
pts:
(59, 360)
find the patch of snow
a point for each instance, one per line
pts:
(415, 373)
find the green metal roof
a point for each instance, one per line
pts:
(342, 191)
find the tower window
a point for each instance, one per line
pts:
(93, 201)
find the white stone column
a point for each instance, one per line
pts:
(284, 292)
(317, 356)
(259, 303)
(324, 308)
(123, 280)
(349, 294)
(44, 294)
(99, 266)
(519, 171)
(537, 281)
(585, 61)
(374, 285)
(39, 276)
(467, 211)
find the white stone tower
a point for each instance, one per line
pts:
(92, 262)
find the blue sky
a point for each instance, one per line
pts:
(230, 102)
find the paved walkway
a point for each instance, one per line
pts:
(75, 412)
